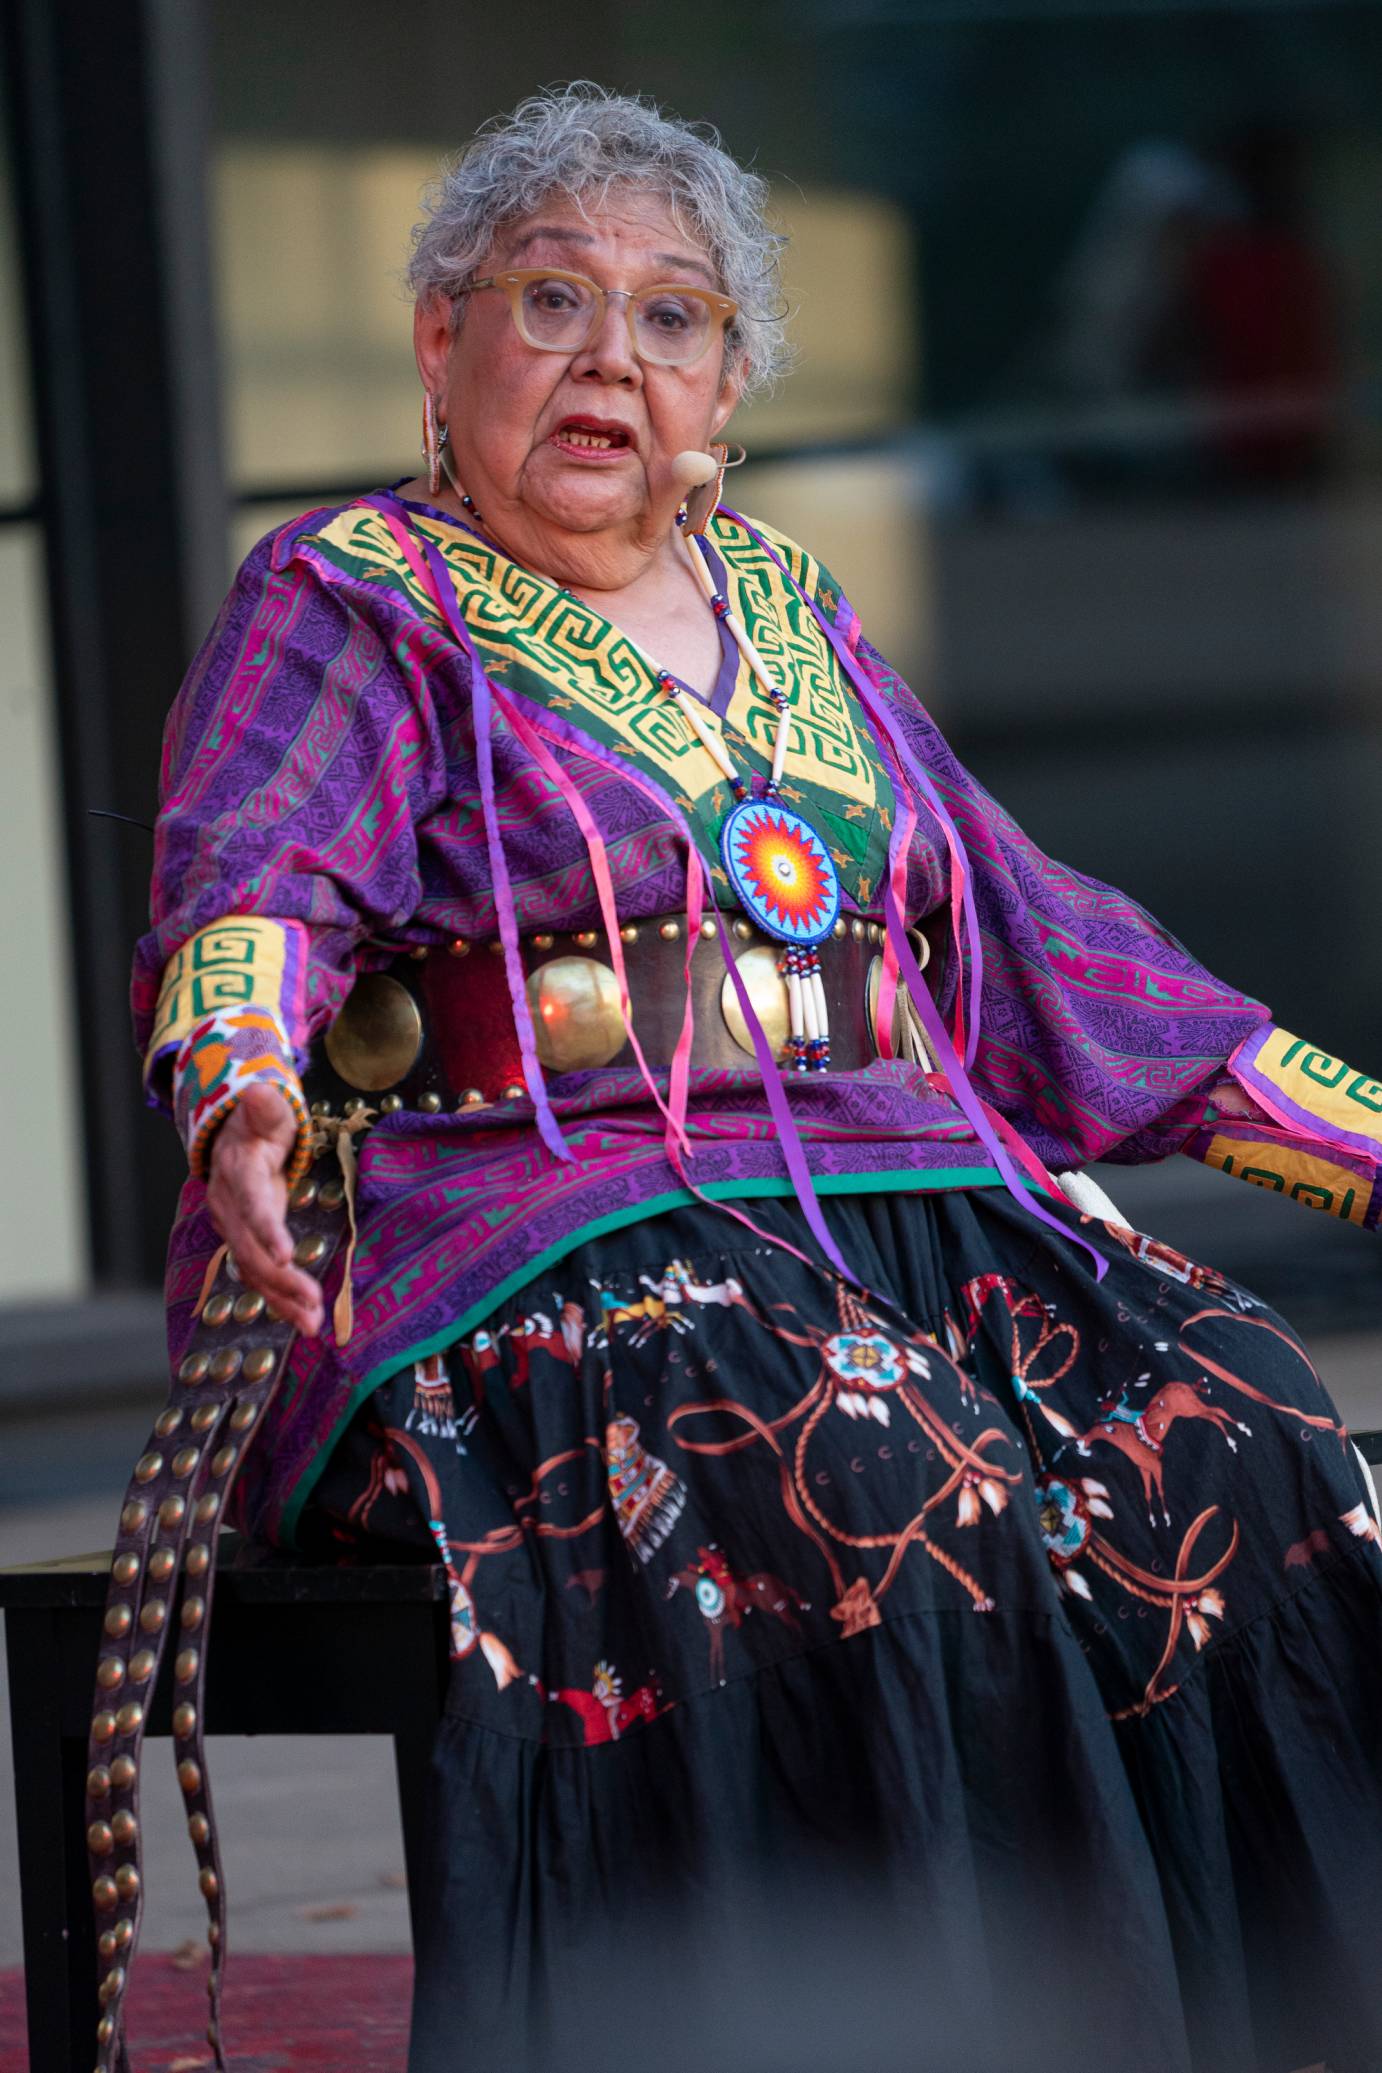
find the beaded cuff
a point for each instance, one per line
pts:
(240, 961)
(218, 1060)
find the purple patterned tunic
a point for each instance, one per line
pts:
(320, 776)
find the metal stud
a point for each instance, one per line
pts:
(198, 1559)
(259, 1363)
(103, 1728)
(321, 1108)
(496, 948)
(458, 947)
(105, 2030)
(118, 1621)
(185, 1460)
(223, 1460)
(213, 1934)
(209, 1883)
(206, 1508)
(199, 1828)
(391, 1104)
(105, 1893)
(185, 1668)
(124, 1828)
(161, 1564)
(515, 1091)
(218, 1310)
(543, 940)
(110, 1673)
(205, 1416)
(709, 927)
(429, 1103)
(147, 1467)
(167, 1422)
(97, 1782)
(184, 1721)
(472, 1097)
(875, 933)
(107, 1947)
(309, 1251)
(332, 1197)
(125, 1568)
(629, 933)
(142, 1666)
(670, 931)
(100, 1839)
(124, 1933)
(170, 1513)
(304, 1194)
(123, 1773)
(841, 928)
(127, 1882)
(226, 1366)
(133, 1516)
(153, 1615)
(249, 1307)
(189, 1775)
(243, 1416)
(193, 1612)
(356, 1106)
(130, 1718)
(194, 1369)
(743, 930)
(856, 929)
(586, 939)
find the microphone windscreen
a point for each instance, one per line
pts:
(692, 468)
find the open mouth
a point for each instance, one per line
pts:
(591, 439)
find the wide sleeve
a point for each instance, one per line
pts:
(1101, 1037)
(299, 759)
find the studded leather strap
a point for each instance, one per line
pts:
(162, 1576)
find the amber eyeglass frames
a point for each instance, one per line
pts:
(669, 324)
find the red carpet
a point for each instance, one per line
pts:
(280, 2015)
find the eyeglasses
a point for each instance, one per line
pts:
(563, 313)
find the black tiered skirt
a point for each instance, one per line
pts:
(985, 1673)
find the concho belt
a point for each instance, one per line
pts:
(434, 1031)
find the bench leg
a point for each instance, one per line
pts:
(55, 1897)
(413, 1765)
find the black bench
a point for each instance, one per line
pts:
(298, 1650)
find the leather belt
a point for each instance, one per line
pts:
(436, 1030)
(162, 1578)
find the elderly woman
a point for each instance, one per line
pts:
(853, 1548)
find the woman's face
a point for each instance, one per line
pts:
(557, 503)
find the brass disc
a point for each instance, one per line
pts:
(767, 992)
(574, 1002)
(375, 1040)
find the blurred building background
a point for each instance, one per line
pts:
(1087, 419)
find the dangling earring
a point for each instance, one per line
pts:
(433, 440)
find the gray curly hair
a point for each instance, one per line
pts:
(581, 141)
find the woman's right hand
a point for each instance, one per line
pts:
(247, 1194)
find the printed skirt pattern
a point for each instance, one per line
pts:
(991, 1665)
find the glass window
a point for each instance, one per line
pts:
(42, 1220)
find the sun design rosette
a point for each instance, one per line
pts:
(781, 871)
